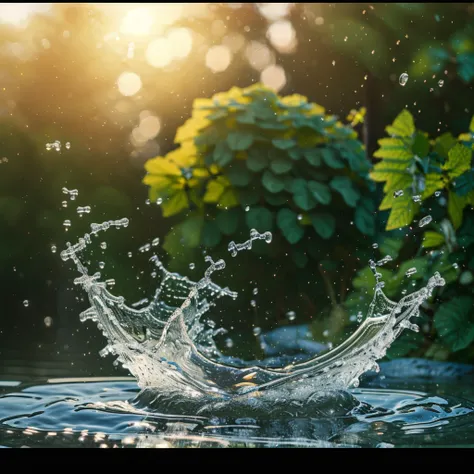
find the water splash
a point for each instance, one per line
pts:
(174, 358)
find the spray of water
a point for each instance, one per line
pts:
(174, 357)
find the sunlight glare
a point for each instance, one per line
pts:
(137, 22)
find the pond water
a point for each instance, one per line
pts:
(410, 403)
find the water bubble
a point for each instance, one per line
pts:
(403, 79)
(257, 331)
(411, 271)
(425, 221)
(103, 245)
(438, 193)
(48, 321)
(255, 291)
(291, 315)
(26, 303)
(253, 303)
(398, 193)
(441, 83)
(53, 248)
(159, 201)
(192, 266)
(101, 265)
(417, 198)
(375, 246)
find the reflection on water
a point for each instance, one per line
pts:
(104, 413)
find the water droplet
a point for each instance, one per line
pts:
(68, 145)
(192, 266)
(411, 271)
(359, 316)
(129, 254)
(417, 198)
(255, 291)
(155, 242)
(455, 265)
(53, 248)
(247, 208)
(229, 343)
(147, 202)
(48, 321)
(64, 203)
(103, 245)
(257, 331)
(101, 265)
(398, 193)
(144, 248)
(375, 246)
(438, 193)
(300, 217)
(441, 83)
(26, 303)
(425, 221)
(291, 315)
(110, 282)
(253, 303)
(159, 201)
(67, 223)
(403, 79)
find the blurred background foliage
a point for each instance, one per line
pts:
(116, 81)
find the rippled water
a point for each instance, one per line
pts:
(389, 411)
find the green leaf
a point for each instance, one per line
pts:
(421, 145)
(459, 161)
(276, 199)
(313, 157)
(228, 221)
(403, 212)
(403, 125)
(320, 192)
(364, 217)
(466, 66)
(432, 239)
(465, 183)
(287, 222)
(456, 205)
(239, 141)
(344, 186)
(302, 197)
(331, 159)
(175, 204)
(324, 224)
(211, 235)
(222, 154)
(281, 165)
(454, 322)
(248, 197)
(443, 144)
(256, 160)
(299, 257)
(238, 175)
(391, 246)
(283, 144)
(394, 148)
(259, 218)
(272, 183)
(190, 231)
(246, 118)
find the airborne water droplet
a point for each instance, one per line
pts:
(26, 303)
(291, 315)
(257, 331)
(103, 245)
(159, 201)
(403, 79)
(53, 248)
(411, 271)
(192, 266)
(68, 145)
(375, 246)
(398, 193)
(101, 265)
(255, 291)
(425, 221)
(441, 83)
(247, 208)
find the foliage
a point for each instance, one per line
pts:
(424, 177)
(251, 159)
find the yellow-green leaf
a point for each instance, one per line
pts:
(459, 161)
(229, 199)
(175, 204)
(433, 182)
(403, 125)
(432, 239)
(456, 205)
(214, 191)
(162, 166)
(403, 212)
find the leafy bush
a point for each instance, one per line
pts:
(427, 178)
(251, 159)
